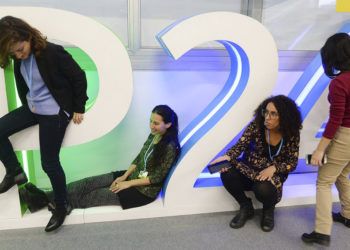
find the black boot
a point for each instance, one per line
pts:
(340, 218)
(268, 219)
(12, 179)
(35, 198)
(38, 193)
(52, 206)
(57, 218)
(245, 213)
(313, 237)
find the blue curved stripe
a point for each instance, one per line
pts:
(160, 35)
(218, 107)
(239, 68)
(309, 87)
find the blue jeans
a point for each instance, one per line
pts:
(51, 133)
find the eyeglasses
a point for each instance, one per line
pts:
(272, 114)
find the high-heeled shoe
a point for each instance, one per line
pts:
(58, 217)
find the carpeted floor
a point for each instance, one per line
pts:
(203, 231)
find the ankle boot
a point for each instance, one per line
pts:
(35, 198)
(52, 207)
(340, 218)
(12, 179)
(37, 193)
(57, 218)
(268, 219)
(245, 213)
(314, 237)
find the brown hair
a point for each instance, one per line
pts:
(13, 30)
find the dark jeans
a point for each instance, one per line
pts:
(51, 133)
(91, 192)
(236, 183)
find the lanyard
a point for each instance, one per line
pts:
(28, 69)
(268, 142)
(147, 154)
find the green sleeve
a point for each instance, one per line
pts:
(160, 172)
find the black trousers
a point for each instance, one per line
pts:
(236, 183)
(91, 192)
(94, 191)
(52, 129)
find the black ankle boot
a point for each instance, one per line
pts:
(35, 198)
(313, 237)
(12, 179)
(52, 206)
(340, 218)
(245, 213)
(57, 219)
(268, 219)
(37, 193)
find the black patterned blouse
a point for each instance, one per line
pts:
(156, 173)
(255, 156)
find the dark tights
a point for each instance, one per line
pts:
(236, 183)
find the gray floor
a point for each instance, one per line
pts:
(204, 231)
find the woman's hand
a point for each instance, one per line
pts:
(266, 174)
(220, 159)
(120, 186)
(117, 180)
(317, 157)
(78, 118)
(319, 152)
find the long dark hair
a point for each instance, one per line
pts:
(13, 30)
(335, 54)
(289, 115)
(171, 134)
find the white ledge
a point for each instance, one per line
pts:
(299, 189)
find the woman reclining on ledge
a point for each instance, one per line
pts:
(137, 186)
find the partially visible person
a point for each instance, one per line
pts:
(137, 186)
(52, 88)
(262, 159)
(335, 142)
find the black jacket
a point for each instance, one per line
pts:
(63, 77)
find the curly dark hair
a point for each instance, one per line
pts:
(171, 134)
(13, 30)
(335, 54)
(289, 115)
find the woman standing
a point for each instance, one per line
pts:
(52, 88)
(335, 142)
(262, 159)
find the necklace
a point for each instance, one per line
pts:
(144, 173)
(268, 143)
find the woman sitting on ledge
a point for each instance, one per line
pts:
(137, 186)
(270, 147)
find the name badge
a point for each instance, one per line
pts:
(143, 174)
